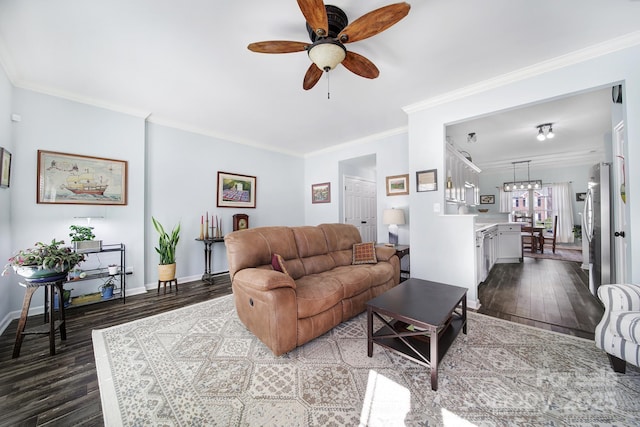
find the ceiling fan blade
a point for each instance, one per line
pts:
(374, 22)
(277, 46)
(360, 65)
(311, 77)
(316, 15)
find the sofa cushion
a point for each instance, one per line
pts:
(364, 253)
(355, 279)
(316, 293)
(277, 263)
(626, 324)
(340, 237)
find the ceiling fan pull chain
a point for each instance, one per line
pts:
(328, 86)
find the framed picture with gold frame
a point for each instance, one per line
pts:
(64, 178)
(397, 185)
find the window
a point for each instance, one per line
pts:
(540, 201)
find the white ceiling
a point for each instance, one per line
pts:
(186, 63)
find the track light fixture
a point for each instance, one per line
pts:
(545, 131)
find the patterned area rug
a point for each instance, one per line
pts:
(199, 366)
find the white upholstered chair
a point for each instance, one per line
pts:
(618, 333)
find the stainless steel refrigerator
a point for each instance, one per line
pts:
(597, 220)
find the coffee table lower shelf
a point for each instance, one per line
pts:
(388, 338)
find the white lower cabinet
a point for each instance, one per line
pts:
(510, 246)
(497, 244)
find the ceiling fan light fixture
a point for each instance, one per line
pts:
(327, 53)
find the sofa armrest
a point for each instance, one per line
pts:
(384, 253)
(262, 279)
(620, 297)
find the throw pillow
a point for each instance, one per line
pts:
(364, 253)
(277, 263)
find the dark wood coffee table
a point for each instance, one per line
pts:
(437, 312)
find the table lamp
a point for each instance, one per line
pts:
(393, 218)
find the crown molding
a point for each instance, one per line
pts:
(209, 133)
(363, 140)
(576, 57)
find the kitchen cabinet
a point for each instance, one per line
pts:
(463, 179)
(510, 243)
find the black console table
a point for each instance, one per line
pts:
(208, 254)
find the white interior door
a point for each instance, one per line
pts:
(360, 206)
(620, 226)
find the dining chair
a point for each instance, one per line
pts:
(529, 239)
(549, 239)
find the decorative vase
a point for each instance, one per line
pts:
(166, 272)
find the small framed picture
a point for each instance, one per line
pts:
(427, 180)
(397, 185)
(321, 193)
(580, 197)
(5, 168)
(487, 199)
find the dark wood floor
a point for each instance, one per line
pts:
(545, 293)
(62, 390)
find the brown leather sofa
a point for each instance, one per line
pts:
(320, 290)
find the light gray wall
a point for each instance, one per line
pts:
(391, 159)
(172, 175)
(181, 187)
(6, 240)
(54, 124)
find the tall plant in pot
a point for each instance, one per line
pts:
(167, 250)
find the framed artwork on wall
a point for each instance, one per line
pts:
(82, 180)
(487, 199)
(427, 180)
(397, 185)
(236, 191)
(581, 197)
(5, 168)
(321, 193)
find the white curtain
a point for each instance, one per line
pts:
(505, 201)
(561, 193)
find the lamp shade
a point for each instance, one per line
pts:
(393, 216)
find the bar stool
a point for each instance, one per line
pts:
(51, 287)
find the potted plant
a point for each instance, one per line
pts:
(167, 250)
(82, 238)
(106, 289)
(44, 261)
(112, 269)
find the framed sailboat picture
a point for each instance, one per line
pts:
(83, 180)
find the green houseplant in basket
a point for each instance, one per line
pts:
(44, 261)
(167, 250)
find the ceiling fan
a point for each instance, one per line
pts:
(329, 30)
